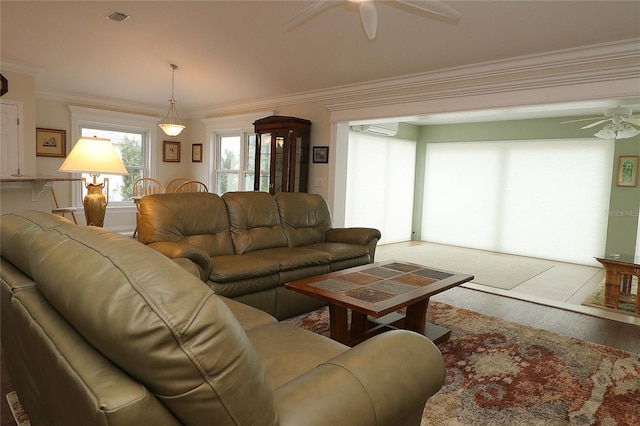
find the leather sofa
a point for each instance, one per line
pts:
(98, 329)
(251, 243)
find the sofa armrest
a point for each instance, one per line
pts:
(175, 250)
(385, 380)
(363, 236)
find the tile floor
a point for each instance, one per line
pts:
(564, 286)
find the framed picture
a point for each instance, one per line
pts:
(627, 170)
(4, 85)
(196, 153)
(320, 154)
(51, 143)
(171, 152)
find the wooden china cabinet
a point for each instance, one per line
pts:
(282, 154)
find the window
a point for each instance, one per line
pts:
(131, 136)
(380, 185)
(544, 199)
(235, 168)
(129, 146)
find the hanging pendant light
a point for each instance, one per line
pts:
(170, 125)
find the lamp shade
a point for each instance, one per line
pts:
(94, 156)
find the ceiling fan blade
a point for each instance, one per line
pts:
(588, 126)
(306, 12)
(434, 6)
(581, 119)
(369, 18)
(633, 120)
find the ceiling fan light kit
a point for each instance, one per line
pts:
(620, 126)
(623, 131)
(172, 126)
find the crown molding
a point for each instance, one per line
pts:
(92, 101)
(236, 121)
(601, 62)
(613, 61)
(19, 68)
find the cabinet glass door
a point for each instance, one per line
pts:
(279, 174)
(263, 162)
(300, 165)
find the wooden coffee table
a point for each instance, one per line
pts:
(374, 294)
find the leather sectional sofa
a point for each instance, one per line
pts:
(251, 243)
(98, 329)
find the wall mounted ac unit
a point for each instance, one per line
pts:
(382, 129)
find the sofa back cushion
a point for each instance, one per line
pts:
(19, 230)
(254, 221)
(158, 323)
(199, 219)
(305, 217)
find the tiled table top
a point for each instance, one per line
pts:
(379, 288)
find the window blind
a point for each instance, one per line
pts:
(545, 199)
(380, 185)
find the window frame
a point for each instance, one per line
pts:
(83, 117)
(245, 161)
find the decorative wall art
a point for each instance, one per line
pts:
(196, 153)
(320, 154)
(627, 170)
(4, 85)
(171, 152)
(51, 143)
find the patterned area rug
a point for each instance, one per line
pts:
(502, 373)
(19, 415)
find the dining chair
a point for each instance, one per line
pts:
(175, 183)
(142, 187)
(146, 186)
(61, 211)
(192, 186)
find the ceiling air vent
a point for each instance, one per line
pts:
(117, 16)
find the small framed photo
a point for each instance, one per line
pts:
(320, 154)
(51, 143)
(196, 153)
(171, 152)
(627, 170)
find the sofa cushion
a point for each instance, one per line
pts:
(340, 251)
(305, 217)
(254, 221)
(238, 267)
(288, 258)
(199, 219)
(181, 341)
(287, 351)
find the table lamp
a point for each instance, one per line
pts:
(94, 156)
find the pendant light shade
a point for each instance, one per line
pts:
(171, 124)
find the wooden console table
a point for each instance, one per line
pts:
(619, 286)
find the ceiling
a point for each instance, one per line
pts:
(232, 52)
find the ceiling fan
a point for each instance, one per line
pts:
(369, 14)
(618, 128)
